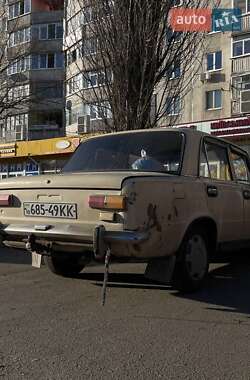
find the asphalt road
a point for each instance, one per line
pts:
(55, 328)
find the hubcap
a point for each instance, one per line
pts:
(196, 257)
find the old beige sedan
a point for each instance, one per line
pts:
(168, 197)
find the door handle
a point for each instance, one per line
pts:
(246, 194)
(212, 191)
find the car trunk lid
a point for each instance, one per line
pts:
(60, 200)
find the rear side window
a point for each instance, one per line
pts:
(240, 167)
(214, 162)
(204, 170)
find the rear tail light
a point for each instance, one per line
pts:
(5, 200)
(107, 202)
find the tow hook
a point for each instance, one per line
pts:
(30, 245)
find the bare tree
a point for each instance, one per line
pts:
(139, 62)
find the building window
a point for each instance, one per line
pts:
(35, 62)
(95, 112)
(74, 84)
(241, 47)
(42, 61)
(173, 105)
(89, 46)
(243, 5)
(19, 37)
(51, 31)
(19, 9)
(173, 36)
(47, 61)
(96, 78)
(99, 111)
(19, 66)
(15, 127)
(88, 80)
(59, 60)
(73, 54)
(19, 92)
(213, 99)
(174, 70)
(47, 31)
(43, 32)
(84, 17)
(214, 61)
(51, 61)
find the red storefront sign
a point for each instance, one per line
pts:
(225, 124)
(223, 127)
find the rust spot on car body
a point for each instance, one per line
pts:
(152, 218)
(176, 211)
(137, 247)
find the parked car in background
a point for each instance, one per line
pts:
(168, 197)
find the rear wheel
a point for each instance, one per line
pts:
(192, 261)
(67, 265)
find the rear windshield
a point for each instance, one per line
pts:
(159, 151)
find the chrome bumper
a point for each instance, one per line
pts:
(103, 238)
(51, 233)
(99, 241)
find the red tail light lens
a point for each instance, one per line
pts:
(5, 200)
(96, 201)
(107, 202)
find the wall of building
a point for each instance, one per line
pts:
(43, 72)
(232, 79)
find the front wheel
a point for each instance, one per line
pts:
(67, 265)
(192, 261)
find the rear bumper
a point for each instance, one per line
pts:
(63, 233)
(98, 241)
(103, 238)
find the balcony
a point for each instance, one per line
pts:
(241, 65)
(245, 24)
(46, 17)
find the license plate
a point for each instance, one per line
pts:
(51, 210)
(36, 260)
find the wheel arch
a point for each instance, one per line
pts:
(210, 227)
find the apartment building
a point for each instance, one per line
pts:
(85, 110)
(35, 71)
(218, 101)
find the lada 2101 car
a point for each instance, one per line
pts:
(168, 197)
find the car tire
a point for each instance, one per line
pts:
(192, 261)
(66, 265)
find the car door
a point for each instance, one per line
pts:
(223, 193)
(240, 166)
